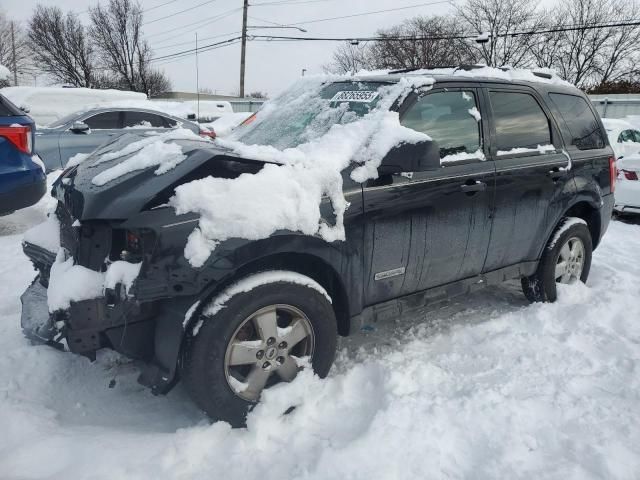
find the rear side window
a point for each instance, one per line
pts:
(519, 121)
(143, 120)
(104, 121)
(585, 131)
(169, 122)
(451, 119)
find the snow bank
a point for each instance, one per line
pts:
(4, 72)
(287, 196)
(154, 150)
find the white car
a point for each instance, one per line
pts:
(625, 140)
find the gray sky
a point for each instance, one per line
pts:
(271, 66)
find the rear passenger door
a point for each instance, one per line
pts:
(426, 229)
(532, 180)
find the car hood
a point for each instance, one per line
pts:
(143, 189)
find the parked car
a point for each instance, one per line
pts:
(83, 132)
(625, 140)
(516, 182)
(22, 177)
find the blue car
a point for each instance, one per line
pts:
(22, 178)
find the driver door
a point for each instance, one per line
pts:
(426, 229)
(102, 126)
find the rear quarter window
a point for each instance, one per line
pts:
(585, 130)
(8, 109)
(519, 121)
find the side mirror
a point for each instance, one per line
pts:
(411, 157)
(79, 127)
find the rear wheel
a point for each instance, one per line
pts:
(257, 339)
(566, 259)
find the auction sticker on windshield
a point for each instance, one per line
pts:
(364, 96)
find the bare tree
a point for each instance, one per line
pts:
(258, 94)
(60, 46)
(425, 42)
(497, 17)
(7, 40)
(589, 57)
(117, 32)
(349, 57)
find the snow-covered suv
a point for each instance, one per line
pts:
(344, 202)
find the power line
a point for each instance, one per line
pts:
(202, 39)
(200, 49)
(158, 6)
(318, 20)
(290, 2)
(181, 11)
(200, 23)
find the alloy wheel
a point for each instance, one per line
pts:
(570, 261)
(265, 349)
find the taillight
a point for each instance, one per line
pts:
(613, 174)
(629, 175)
(208, 134)
(249, 119)
(20, 136)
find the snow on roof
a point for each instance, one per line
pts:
(537, 75)
(4, 72)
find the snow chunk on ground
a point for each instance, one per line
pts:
(148, 152)
(287, 196)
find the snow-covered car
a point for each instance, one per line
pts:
(625, 140)
(346, 201)
(82, 132)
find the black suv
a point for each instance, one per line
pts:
(516, 183)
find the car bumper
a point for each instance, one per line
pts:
(627, 196)
(22, 196)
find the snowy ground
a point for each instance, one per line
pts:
(485, 386)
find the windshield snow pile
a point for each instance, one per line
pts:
(148, 152)
(310, 134)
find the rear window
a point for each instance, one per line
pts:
(519, 121)
(585, 130)
(143, 120)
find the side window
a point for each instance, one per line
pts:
(520, 122)
(585, 131)
(626, 136)
(143, 120)
(169, 122)
(104, 121)
(452, 120)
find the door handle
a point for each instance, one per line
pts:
(473, 186)
(556, 173)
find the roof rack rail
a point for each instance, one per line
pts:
(546, 75)
(431, 67)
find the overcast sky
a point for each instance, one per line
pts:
(271, 66)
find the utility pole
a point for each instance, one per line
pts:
(13, 49)
(243, 50)
(197, 79)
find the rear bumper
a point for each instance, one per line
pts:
(627, 196)
(22, 196)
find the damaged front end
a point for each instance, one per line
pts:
(110, 318)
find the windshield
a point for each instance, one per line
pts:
(64, 120)
(297, 118)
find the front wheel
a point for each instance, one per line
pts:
(255, 339)
(566, 259)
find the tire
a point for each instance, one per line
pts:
(217, 385)
(541, 286)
